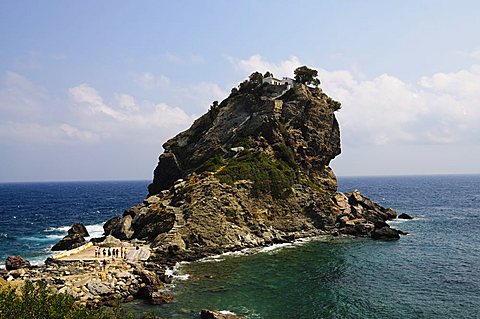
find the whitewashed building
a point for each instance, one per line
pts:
(274, 81)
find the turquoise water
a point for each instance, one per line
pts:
(431, 273)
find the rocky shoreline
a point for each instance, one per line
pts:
(96, 282)
(105, 281)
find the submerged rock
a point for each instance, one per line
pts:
(404, 216)
(385, 233)
(214, 314)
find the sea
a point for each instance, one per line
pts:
(433, 272)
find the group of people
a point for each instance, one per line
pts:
(111, 252)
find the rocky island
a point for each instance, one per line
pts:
(253, 171)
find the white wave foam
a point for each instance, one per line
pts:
(61, 229)
(95, 230)
(36, 260)
(272, 249)
(39, 260)
(401, 220)
(176, 273)
(52, 237)
(396, 221)
(47, 238)
(220, 257)
(227, 312)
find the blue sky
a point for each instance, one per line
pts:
(90, 90)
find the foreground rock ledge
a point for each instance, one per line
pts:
(214, 314)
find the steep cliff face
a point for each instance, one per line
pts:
(299, 128)
(252, 171)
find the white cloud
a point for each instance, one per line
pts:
(29, 115)
(89, 96)
(44, 133)
(75, 133)
(464, 83)
(130, 118)
(126, 102)
(257, 63)
(195, 96)
(383, 110)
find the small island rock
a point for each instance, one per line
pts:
(69, 242)
(78, 229)
(404, 216)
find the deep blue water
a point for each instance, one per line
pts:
(431, 273)
(34, 216)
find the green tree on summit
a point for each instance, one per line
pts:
(306, 76)
(256, 78)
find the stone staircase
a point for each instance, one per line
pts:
(179, 223)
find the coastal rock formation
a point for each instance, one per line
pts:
(253, 171)
(78, 229)
(360, 216)
(69, 242)
(16, 262)
(75, 238)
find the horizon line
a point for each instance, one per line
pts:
(150, 179)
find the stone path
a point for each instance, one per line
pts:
(179, 223)
(132, 254)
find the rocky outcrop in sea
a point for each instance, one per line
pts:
(253, 171)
